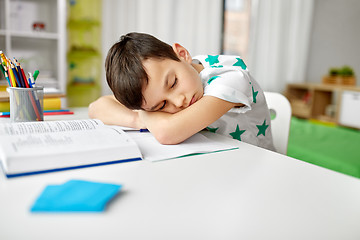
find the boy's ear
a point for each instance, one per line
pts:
(182, 53)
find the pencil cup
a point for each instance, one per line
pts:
(26, 104)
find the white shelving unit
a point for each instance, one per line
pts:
(41, 49)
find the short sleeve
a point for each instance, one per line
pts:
(229, 84)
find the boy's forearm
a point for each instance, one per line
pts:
(174, 128)
(112, 112)
(167, 128)
(159, 123)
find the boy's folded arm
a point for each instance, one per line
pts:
(174, 128)
(109, 110)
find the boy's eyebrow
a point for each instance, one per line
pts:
(166, 82)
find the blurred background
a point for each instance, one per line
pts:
(282, 41)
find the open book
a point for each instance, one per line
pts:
(39, 147)
(36, 147)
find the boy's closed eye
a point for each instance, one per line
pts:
(163, 106)
(164, 103)
(175, 82)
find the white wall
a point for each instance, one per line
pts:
(335, 38)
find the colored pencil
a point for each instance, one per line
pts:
(36, 74)
(16, 77)
(7, 78)
(24, 77)
(2, 69)
(12, 76)
(21, 77)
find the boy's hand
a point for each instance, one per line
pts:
(110, 111)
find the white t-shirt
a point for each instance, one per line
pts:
(227, 78)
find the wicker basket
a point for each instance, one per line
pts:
(340, 80)
(350, 81)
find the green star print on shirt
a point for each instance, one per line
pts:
(262, 128)
(240, 63)
(233, 83)
(213, 130)
(212, 59)
(211, 79)
(237, 133)
(254, 94)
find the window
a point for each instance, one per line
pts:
(236, 27)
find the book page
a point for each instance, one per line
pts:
(22, 128)
(61, 142)
(152, 150)
(59, 137)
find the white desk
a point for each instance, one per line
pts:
(249, 193)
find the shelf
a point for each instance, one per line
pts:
(29, 34)
(321, 102)
(83, 23)
(300, 108)
(84, 52)
(34, 34)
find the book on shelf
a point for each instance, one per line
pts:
(48, 103)
(40, 147)
(4, 95)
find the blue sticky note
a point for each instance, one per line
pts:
(75, 196)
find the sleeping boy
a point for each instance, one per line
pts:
(162, 88)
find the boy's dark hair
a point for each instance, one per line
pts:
(125, 73)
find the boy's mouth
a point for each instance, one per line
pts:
(192, 100)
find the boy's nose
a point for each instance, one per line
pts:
(179, 101)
